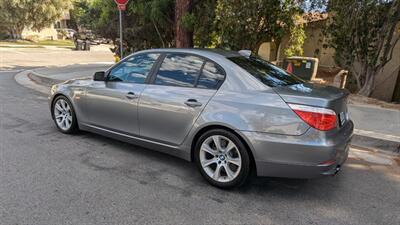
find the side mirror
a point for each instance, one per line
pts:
(99, 76)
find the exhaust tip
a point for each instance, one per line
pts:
(337, 169)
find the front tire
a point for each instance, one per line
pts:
(222, 158)
(64, 115)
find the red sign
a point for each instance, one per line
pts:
(121, 4)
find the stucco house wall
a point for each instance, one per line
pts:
(386, 82)
(48, 32)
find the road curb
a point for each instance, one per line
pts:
(41, 82)
(23, 78)
(42, 79)
(372, 143)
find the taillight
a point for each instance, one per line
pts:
(319, 118)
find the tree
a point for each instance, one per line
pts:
(194, 23)
(150, 24)
(297, 38)
(16, 15)
(244, 24)
(183, 36)
(82, 14)
(200, 20)
(363, 34)
(102, 18)
(146, 23)
(234, 24)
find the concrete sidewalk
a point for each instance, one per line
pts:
(382, 121)
(375, 127)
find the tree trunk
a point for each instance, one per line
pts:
(12, 33)
(183, 37)
(19, 33)
(278, 45)
(369, 84)
(16, 32)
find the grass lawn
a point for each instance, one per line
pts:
(60, 43)
(21, 46)
(65, 43)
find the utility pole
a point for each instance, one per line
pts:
(120, 34)
(121, 7)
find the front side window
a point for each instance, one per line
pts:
(134, 70)
(179, 70)
(211, 76)
(267, 73)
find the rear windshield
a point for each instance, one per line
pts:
(266, 72)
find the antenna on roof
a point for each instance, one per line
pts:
(245, 53)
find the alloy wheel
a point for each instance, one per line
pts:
(220, 158)
(63, 114)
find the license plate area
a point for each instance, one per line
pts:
(342, 118)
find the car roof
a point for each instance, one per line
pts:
(199, 51)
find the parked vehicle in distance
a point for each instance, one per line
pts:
(69, 33)
(104, 40)
(227, 112)
(95, 42)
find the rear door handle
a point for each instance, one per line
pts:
(131, 95)
(192, 103)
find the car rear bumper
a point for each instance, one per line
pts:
(313, 154)
(273, 169)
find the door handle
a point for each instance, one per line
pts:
(131, 95)
(192, 103)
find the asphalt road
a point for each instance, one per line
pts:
(50, 178)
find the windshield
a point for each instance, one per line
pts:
(266, 72)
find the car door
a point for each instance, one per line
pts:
(179, 91)
(113, 104)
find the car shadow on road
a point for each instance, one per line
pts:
(188, 171)
(188, 177)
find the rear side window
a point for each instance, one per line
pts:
(211, 76)
(266, 72)
(179, 70)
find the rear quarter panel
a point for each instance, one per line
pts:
(253, 111)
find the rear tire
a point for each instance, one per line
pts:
(64, 115)
(222, 158)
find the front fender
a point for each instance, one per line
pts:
(65, 90)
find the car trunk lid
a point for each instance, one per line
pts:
(318, 96)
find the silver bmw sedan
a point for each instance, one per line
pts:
(229, 113)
